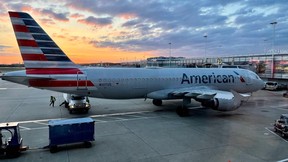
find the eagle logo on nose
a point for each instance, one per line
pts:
(241, 78)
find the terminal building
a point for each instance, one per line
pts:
(267, 66)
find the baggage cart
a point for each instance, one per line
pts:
(69, 131)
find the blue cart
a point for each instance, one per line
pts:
(10, 140)
(69, 131)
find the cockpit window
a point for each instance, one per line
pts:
(254, 76)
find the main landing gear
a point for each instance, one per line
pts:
(157, 102)
(182, 111)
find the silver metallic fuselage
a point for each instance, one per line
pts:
(125, 83)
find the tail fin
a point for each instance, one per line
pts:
(40, 53)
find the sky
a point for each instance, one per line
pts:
(90, 31)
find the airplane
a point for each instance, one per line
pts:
(48, 67)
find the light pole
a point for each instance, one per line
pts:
(205, 36)
(272, 61)
(170, 54)
(274, 25)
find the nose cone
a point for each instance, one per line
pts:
(261, 84)
(257, 84)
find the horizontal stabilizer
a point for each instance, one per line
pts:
(4, 77)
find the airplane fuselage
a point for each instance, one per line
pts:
(124, 83)
(136, 82)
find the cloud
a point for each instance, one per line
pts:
(131, 23)
(27, 6)
(156, 23)
(3, 47)
(18, 6)
(76, 15)
(232, 27)
(54, 15)
(91, 20)
(47, 21)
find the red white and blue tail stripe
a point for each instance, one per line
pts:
(40, 53)
(47, 66)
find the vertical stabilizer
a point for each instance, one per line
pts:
(40, 53)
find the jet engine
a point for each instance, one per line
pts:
(221, 104)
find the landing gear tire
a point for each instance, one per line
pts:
(182, 111)
(87, 144)
(157, 102)
(53, 149)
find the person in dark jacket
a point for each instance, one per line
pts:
(52, 100)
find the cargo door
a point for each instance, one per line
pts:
(81, 81)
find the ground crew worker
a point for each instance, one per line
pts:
(63, 103)
(1, 141)
(52, 100)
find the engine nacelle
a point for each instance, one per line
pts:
(221, 104)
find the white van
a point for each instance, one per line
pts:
(76, 103)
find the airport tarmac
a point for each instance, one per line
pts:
(136, 130)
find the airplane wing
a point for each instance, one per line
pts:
(207, 96)
(199, 92)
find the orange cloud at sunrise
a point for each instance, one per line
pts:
(129, 30)
(74, 33)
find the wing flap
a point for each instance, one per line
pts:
(192, 95)
(201, 93)
(206, 96)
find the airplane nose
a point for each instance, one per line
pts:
(258, 84)
(261, 84)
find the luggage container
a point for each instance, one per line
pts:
(69, 131)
